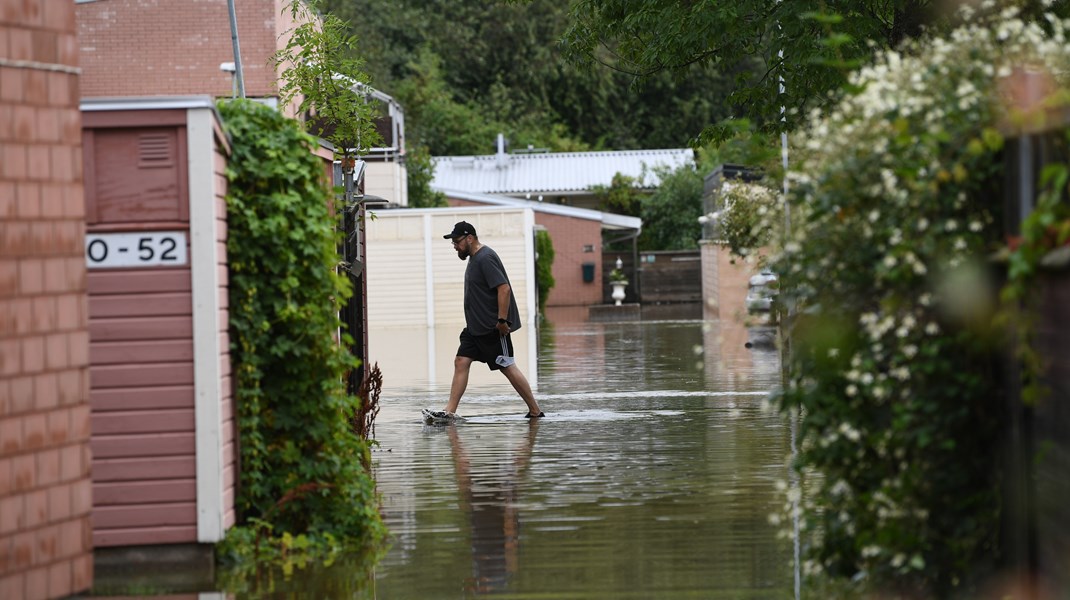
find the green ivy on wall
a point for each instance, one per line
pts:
(544, 250)
(301, 466)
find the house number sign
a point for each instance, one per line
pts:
(148, 249)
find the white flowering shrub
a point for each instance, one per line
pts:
(748, 217)
(895, 205)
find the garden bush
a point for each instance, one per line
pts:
(894, 369)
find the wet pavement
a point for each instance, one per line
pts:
(652, 475)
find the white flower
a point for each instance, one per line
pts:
(976, 226)
(841, 488)
(910, 350)
(851, 390)
(951, 225)
(932, 329)
(890, 261)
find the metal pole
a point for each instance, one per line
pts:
(238, 77)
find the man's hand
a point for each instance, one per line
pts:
(503, 328)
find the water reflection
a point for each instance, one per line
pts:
(653, 475)
(491, 503)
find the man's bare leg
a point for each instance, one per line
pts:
(520, 384)
(461, 366)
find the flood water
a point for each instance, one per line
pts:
(652, 476)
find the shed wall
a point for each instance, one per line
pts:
(416, 290)
(141, 343)
(141, 390)
(148, 401)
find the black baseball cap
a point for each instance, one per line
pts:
(461, 229)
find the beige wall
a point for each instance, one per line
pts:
(416, 288)
(45, 493)
(387, 180)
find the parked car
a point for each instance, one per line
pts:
(762, 290)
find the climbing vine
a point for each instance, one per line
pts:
(303, 472)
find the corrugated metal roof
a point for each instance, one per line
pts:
(608, 220)
(552, 172)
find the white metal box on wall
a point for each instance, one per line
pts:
(416, 287)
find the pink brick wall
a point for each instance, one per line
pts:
(45, 494)
(173, 48)
(571, 237)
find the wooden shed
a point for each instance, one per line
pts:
(163, 433)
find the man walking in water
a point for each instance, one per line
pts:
(490, 315)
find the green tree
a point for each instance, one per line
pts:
(810, 43)
(420, 173)
(670, 213)
(322, 73)
(500, 66)
(622, 196)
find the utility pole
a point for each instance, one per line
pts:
(239, 78)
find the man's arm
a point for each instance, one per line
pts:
(503, 308)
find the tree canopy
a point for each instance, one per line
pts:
(809, 45)
(465, 70)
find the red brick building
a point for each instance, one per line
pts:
(45, 490)
(133, 48)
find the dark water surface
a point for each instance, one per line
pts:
(652, 475)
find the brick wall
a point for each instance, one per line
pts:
(572, 237)
(45, 494)
(173, 48)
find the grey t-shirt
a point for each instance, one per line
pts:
(485, 272)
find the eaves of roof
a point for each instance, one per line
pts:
(608, 220)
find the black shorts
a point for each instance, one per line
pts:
(484, 348)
